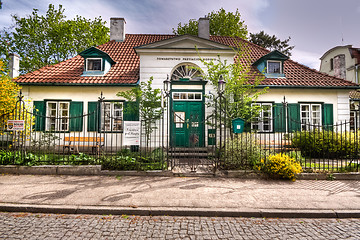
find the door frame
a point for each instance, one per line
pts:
(171, 118)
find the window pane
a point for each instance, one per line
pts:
(183, 96)
(273, 67)
(117, 117)
(94, 65)
(176, 96)
(191, 96)
(197, 95)
(105, 116)
(263, 122)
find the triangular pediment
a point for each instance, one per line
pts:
(185, 42)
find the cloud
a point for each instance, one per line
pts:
(309, 59)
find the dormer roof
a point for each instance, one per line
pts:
(93, 52)
(274, 55)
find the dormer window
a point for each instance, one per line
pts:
(94, 64)
(274, 67)
(272, 64)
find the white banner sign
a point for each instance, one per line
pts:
(15, 125)
(131, 134)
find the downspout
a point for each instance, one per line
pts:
(356, 74)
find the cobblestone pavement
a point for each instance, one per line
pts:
(53, 226)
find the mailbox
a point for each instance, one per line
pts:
(238, 125)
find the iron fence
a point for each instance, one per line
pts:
(28, 137)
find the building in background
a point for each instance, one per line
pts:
(344, 62)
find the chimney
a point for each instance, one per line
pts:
(204, 28)
(14, 65)
(117, 29)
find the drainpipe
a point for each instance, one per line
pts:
(357, 74)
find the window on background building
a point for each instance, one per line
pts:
(274, 67)
(331, 64)
(264, 122)
(310, 116)
(57, 116)
(94, 64)
(112, 116)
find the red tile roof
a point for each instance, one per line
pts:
(127, 66)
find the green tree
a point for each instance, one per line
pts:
(42, 40)
(271, 42)
(241, 88)
(222, 23)
(149, 105)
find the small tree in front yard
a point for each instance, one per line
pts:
(240, 91)
(148, 104)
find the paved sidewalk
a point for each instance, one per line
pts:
(179, 196)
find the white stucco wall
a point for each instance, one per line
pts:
(339, 99)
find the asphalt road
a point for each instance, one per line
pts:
(55, 226)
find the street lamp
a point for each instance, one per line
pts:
(221, 84)
(167, 86)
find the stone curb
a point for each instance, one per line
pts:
(95, 170)
(198, 212)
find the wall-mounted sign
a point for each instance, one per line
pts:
(184, 59)
(15, 125)
(131, 135)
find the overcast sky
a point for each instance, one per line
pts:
(313, 25)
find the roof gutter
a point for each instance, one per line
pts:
(313, 87)
(80, 84)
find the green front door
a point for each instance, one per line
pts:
(187, 124)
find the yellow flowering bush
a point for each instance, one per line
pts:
(8, 92)
(280, 165)
(9, 100)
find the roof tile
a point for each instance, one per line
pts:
(126, 68)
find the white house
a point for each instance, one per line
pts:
(72, 88)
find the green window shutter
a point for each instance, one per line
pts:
(294, 117)
(279, 117)
(328, 116)
(131, 111)
(40, 115)
(93, 117)
(76, 119)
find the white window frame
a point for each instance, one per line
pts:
(109, 122)
(273, 61)
(60, 123)
(186, 95)
(310, 121)
(260, 124)
(90, 70)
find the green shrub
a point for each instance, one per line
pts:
(241, 152)
(126, 160)
(31, 159)
(326, 144)
(280, 165)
